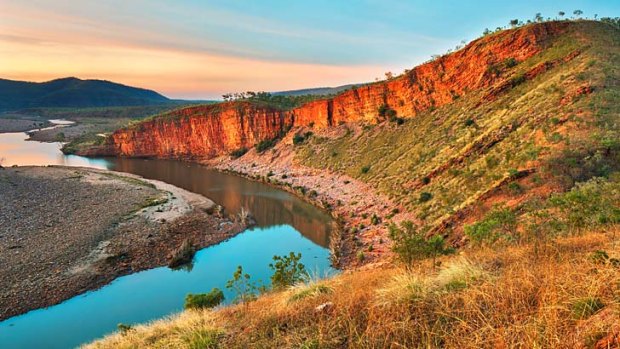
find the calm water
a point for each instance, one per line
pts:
(285, 224)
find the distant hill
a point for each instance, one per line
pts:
(321, 91)
(73, 92)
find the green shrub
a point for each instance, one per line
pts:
(469, 122)
(374, 220)
(498, 224)
(383, 108)
(410, 245)
(586, 307)
(517, 80)
(239, 152)
(298, 139)
(425, 196)
(365, 169)
(599, 257)
(515, 187)
(591, 203)
(288, 270)
(124, 328)
(204, 300)
(510, 62)
(245, 289)
(265, 144)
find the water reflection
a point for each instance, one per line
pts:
(269, 206)
(15, 149)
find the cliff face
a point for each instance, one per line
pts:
(208, 131)
(203, 131)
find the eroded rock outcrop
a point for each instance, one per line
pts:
(209, 131)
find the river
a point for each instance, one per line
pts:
(285, 224)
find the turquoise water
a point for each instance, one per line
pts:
(154, 293)
(285, 224)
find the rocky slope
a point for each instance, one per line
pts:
(208, 131)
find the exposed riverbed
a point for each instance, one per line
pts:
(285, 224)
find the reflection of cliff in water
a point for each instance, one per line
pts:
(268, 205)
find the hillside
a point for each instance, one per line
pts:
(73, 92)
(323, 91)
(480, 68)
(509, 149)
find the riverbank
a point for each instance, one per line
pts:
(8, 125)
(516, 296)
(361, 212)
(58, 240)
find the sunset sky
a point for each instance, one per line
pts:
(201, 49)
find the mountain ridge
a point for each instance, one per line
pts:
(73, 92)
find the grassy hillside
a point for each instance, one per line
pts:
(541, 135)
(565, 297)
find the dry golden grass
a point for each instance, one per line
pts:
(481, 298)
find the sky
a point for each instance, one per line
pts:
(200, 49)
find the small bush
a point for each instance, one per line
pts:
(374, 220)
(599, 257)
(586, 307)
(288, 270)
(411, 245)
(469, 122)
(298, 138)
(425, 196)
(360, 256)
(365, 169)
(265, 144)
(239, 152)
(498, 224)
(245, 289)
(517, 80)
(204, 300)
(124, 328)
(510, 62)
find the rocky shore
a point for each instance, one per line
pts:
(362, 212)
(64, 231)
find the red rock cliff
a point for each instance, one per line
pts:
(208, 131)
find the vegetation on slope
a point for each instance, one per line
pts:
(278, 101)
(564, 295)
(541, 135)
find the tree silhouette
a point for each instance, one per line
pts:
(538, 17)
(577, 13)
(514, 22)
(561, 14)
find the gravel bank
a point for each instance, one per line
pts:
(20, 125)
(64, 231)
